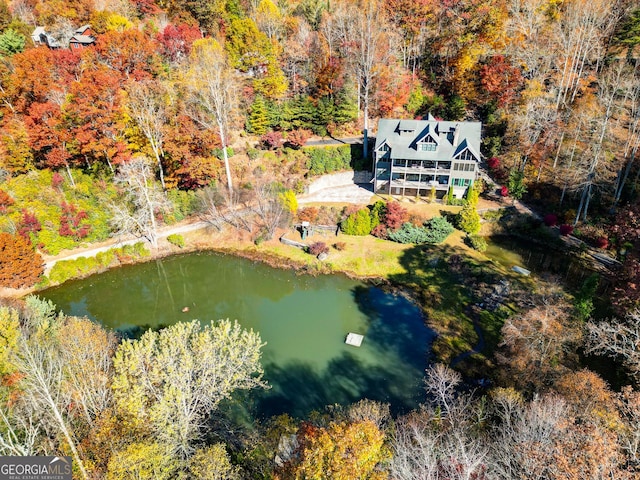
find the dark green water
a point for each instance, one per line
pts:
(303, 319)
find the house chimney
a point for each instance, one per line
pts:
(456, 134)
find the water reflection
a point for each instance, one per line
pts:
(303, 319)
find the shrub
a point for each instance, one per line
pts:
(29, 224)
(469, 220)
(271, 140)
(380, 231)
(219, 153)
(253, 154)
(358, 223)
(340, 246)
(476, 242)
(566, 229)
(504, 191)
(409, 233)
(176, 239)
(394, 215)
(435, 230)
(323, 160)
(493, 163)
(56, 180)
(439, 229)
(308, 214)
(602, 242)
(317, 248)
(297, 138)
(550, 220)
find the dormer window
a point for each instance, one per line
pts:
(427, 146)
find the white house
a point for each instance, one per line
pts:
(413, 157)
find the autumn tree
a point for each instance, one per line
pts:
(342, 450)
(211, 87)
(537, 344)
(93, 114)
(171, 380)
(20, 265)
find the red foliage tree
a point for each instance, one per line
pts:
(297, 138)
(504, 191)
(566, 229)
(271, 140)
(5, 201)
(20, 265)
(28, 224)
(176, 41)
(550, 220)
(131, 52)
(394, 215)
(146, 7)
(93, 114)
(501, 80)
(493, 163)
(72, 222)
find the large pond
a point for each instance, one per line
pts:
(303, 319)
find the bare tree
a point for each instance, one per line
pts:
(443, 439)
(143, 200)
(147, 106)
(212, 88)
(245, 209)
(363, 34)
(18, 433)
(617, 339)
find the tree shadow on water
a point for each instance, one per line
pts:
(298, 388)
(396, 325)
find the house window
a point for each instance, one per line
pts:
(457, 166)
(427, 147)
(466, 155)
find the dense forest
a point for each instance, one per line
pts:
(165, 108)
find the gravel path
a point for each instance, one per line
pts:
(185, 227)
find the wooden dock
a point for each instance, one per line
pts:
(354, 339)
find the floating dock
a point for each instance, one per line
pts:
(354, 339)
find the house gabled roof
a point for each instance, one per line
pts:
(431, 132)
(464, 145)
(82, 29)
(83, 39)
(452, 138)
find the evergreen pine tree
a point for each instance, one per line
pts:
(258, 122)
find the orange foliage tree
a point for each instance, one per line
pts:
(20, 265)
